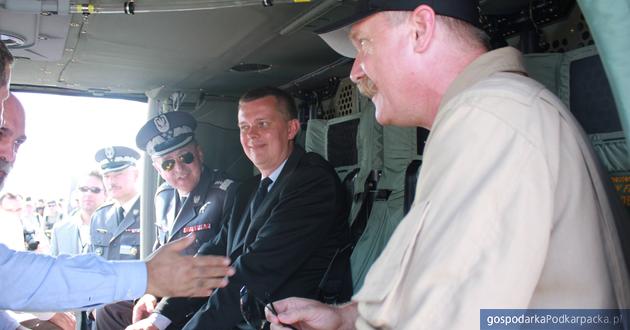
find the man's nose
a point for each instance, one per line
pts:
(252, 131)
(178, 167)
(357, 72)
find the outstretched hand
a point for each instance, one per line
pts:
(172, 274)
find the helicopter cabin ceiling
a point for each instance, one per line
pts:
(169, 46)
(220, 52)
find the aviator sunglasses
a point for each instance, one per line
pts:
(186, 158)
(253, 313)
(94, 190)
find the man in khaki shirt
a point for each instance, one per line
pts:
(510, 211)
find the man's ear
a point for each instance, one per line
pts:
(422, 23)
(294, 128)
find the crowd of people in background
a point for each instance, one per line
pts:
(30, 222)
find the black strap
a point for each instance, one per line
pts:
(411, 180)
(369, 195)
(336, 284)
(348, 184)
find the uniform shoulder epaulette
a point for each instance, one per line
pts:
(107, 204)
(224, 184)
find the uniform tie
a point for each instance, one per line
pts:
(120, 214)
(180, 205)
(261, 193)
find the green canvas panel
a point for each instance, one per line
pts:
(391, 151)
(369, 146)
(381, 225)
(612, 151)
(400, 149)
(544, 68)
(370, 137)
(315, 140)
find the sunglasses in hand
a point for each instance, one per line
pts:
(252, 309)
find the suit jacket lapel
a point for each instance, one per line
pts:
(196, 197)
(262, 214)
(236, 241)
(130, 218)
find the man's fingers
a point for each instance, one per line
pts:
(283, 305)
(176, 275)
(141, 311)
(291, 316)
(270, 317)
(209, 267)
(203, 288)
(210, 261)
(286, 310)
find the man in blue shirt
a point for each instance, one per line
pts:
(32, 282)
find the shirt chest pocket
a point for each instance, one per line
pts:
(131, 237)
(101, 237)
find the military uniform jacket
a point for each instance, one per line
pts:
(281, 250)
(112, 241)
(203, 212)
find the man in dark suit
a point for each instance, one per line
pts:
(282, 234)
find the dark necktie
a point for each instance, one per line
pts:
(261, 193)
(180, 205)
(120, 214)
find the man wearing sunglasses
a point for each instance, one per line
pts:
(72, 236)
(193, 197)
(286, 224)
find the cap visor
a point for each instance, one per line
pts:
(339, 41)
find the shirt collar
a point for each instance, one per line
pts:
(499, 60)
(275, 174)
(127, 206)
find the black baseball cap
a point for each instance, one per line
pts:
(465, 10)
